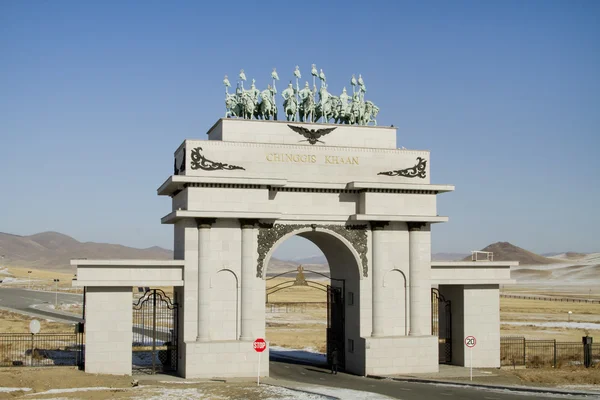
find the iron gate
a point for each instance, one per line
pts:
(441, 325)
(155, 333)
(336, 324)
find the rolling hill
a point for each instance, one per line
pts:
(53, 250)
(505, 251)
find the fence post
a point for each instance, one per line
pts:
(524, 353)
(554, 353)
(587, 351)
(32, 346)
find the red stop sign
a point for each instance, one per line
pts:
(259, 345)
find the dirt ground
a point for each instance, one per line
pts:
(11, 322)
(55, 382)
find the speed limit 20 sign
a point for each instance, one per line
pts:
(470, 341)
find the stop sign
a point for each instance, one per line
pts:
(259, 345)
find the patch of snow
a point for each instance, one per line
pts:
(12, 280)
(73, 390)
(344, 394)
(571, 325)
(175, 394)
(10, 389)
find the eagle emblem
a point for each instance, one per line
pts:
(311, 135)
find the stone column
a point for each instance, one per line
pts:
(203, 278)
(419, 254)
(378, 270)
(248, 265)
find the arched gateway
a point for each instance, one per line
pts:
(368, 205)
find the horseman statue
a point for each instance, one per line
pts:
(290, 103)
(307, 103)
(267, 108)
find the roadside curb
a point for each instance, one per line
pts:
(486, 386)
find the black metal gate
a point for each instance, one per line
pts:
(441, 325)
(336, 324)
(155, 333)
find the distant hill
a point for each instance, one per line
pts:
(53, 250)
(312, 260)
(504, 251)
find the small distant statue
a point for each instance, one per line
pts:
(227, 84)
(322, 77)
(274, 75)
(290, 103)
(353, 83)
(297, 72)
(242, 77)
(314, 73)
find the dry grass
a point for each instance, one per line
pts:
(528, 307)
(520, 310)
(562, 376)
(11, 322)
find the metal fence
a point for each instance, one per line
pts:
(546, 298)
(533, 353)
(41, 350)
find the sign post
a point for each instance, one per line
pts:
(259, 346)
(470, 342)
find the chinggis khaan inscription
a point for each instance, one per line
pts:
(312, 159)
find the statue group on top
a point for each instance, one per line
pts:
(300, 105)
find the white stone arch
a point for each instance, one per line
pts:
(309, 229)
(226, 305)
(405, 284)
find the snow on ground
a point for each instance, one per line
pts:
(572, 325)
(12, 280)
(11, 389)
(71, 390)
(4, 271)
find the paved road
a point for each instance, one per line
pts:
(306, 374)
(23, 299)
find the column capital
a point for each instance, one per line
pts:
(416, 226)
(248, 223)
(205, 222)
(378, 225)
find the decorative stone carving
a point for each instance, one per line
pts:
(269, 234)
(378, 225)
(311, 135)
(201, 162)
(181, 168)
(205, 222)
(413, 172)
(416, 226)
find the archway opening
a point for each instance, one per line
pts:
(312, 300)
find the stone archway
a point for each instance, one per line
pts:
(345, 248)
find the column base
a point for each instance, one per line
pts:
(223, 359)
(401, 355)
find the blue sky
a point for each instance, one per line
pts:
(96, 96)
